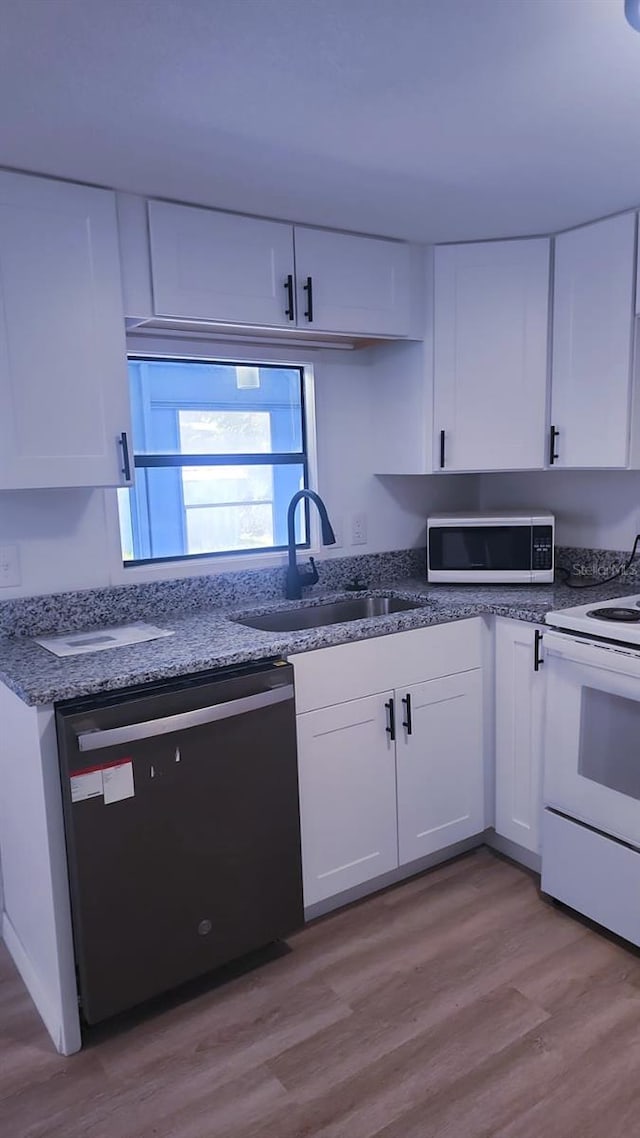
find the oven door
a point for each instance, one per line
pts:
(592, 734)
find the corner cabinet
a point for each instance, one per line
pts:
(390, 753)
(490, 355)
(213, 267)
(519, 734)
(593, 309)
(64, 400)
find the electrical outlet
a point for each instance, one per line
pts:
(9, 566)
(359, 529)
(337, 522)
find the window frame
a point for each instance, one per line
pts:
(187, 565)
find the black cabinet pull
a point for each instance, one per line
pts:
(391, 726)
(442, 450)
(308, 288)
(126, 463)
(288, 284)
(408, 722)
(538, 660)
(553, 434)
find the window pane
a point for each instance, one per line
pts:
(189, 407)
(230, 527)
(224, 432)
(214, 485)
(177, 511)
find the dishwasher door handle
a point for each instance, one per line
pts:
(133, 732)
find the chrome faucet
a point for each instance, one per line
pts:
(296, 577)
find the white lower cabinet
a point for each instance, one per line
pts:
(440, 767)
(519, 734)
(389, 771)
(347, 796)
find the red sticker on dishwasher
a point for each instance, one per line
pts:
(86, 785)
(112, 781)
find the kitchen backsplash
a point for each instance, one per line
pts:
(598, 563)
(91, 608)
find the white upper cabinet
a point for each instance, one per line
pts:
(207, 265)
(349, 283)
(592, 336)
(490, 355)
(64, 401)
(224, 269)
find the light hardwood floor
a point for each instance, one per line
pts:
(458, 1005)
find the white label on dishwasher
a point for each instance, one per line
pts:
(87, 785)
(118, 782)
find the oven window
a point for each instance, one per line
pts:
(610, 741)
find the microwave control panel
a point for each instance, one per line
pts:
(542, 547)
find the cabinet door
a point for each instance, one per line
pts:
(519, 718)
(490, 382)
(213, 266)
(440, 764)
(359, 284)
(346, 764)
(64, 397)
(592, 327)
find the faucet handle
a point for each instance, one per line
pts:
(309, 576)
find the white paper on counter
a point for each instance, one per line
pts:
(98, 639)
(118, 782)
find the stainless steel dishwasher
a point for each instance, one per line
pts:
(182, 829)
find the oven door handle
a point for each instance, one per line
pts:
(612, 657)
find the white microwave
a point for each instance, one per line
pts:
(508, 547)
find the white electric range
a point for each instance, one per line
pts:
(617, 620)
(591, 818)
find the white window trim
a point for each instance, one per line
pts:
(162, 347)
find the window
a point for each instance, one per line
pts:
(219, 449)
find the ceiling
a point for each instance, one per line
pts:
(437, 120)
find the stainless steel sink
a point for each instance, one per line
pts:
(335, 612)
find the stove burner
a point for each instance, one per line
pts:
(628, 616)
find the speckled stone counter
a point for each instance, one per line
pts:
(209, 638)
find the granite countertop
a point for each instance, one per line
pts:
(210, 639)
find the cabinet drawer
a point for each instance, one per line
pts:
(350, 671)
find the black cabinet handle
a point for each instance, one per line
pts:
(126, 463)
(391, 727)
(442, 450)
(537, 658)
(553, 434)
(288, 284)
(408, 722)
(308, 288)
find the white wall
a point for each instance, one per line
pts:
(61, 537)
(597, 509)
(65, 542)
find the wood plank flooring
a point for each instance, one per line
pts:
(458, 1005)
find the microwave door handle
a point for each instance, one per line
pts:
(134, 732)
